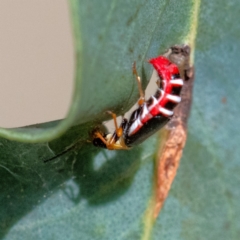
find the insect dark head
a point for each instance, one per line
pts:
(95, 139)
(99, 143)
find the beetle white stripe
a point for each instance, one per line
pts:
(135, 126)
(166, 112)
(174, 98)
(145, 113)
(177, 81)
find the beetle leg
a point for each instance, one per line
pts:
(97, 134)
(118, 130)
(141, 100)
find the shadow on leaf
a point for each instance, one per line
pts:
(100, 176)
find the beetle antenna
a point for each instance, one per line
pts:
(61, 153)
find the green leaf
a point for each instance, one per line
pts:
(91, 193)
(109, 37)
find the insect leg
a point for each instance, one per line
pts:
(118, 130)
(141, 100)
(97, 134)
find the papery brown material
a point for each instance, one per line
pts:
(170, 153)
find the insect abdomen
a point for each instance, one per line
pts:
(158, 110)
